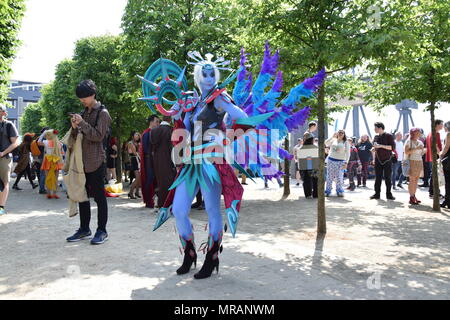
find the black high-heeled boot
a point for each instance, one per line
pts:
(211, 262)
(190, 257)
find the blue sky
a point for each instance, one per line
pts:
(51, 27)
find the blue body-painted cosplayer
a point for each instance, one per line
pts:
(206, 161)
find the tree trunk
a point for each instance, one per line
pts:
(321, 217)
(287, 189)
(434, 170)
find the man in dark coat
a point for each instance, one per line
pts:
(148, 181)
(164, 169)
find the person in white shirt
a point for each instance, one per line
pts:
(396, 167)
(337, 162)
(414, 150)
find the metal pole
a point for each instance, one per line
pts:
(410, 116)
(398, 123)
(19, 111)
(346, 119)
(365, 121)
(405, 113)
(356, 121)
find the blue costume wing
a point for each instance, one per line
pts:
(270, 118)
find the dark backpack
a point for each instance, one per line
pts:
(5, 141)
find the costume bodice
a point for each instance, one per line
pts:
(209, 117)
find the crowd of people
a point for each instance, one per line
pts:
(87, 156)
(147, 166)
(396, 158)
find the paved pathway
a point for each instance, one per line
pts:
(373, 250)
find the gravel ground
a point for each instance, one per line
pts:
(374, 249)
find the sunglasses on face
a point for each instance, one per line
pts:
(207, 74)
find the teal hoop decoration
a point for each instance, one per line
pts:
(154, 92)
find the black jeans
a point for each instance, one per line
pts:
(430, 188)
(447, 185)
(95, 188)
(426, 173)
(37, 168)
(383, 171)
(309, 183)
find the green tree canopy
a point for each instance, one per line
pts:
(31, 120)
(58, 97)
(11, 13)
(171, 29)
(417, 64)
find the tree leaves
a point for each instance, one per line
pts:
(11, 13)
(417, 65)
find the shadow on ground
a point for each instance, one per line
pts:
(276, 255)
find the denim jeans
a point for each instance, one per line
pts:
(42, 181)
(397, 173)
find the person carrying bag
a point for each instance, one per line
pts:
(406, 164)
(74, 177)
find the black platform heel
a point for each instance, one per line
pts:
(130, 196)
(190, 257)
(211, 262)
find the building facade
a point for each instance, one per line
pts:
(21, 94)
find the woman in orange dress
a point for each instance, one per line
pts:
(52, 160)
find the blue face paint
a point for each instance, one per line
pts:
(208, 80)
